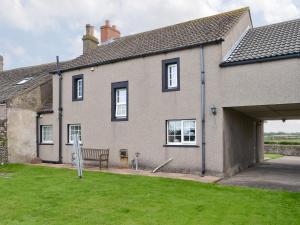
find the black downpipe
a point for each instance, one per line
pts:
(202, 109)
(37, 124)
(60, 110)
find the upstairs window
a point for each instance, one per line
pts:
(119, 101)
(181, 132)
(46, 134)
(170, 75)
(74, 129)
(77, 88)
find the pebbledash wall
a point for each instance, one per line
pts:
(3, 134)
(149, 109)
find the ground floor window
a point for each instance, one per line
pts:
(73, 129)
(181, 132)
(46, 134)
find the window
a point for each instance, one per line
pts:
(46, 134)
(73, 129)
(181, 132)
(121, 96)
(170, 75)
(77, 88)
(24, 81)
(119, 100)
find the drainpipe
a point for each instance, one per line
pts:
(202, 109)
(38, 115)
(60, 110)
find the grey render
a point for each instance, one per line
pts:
(244, 96)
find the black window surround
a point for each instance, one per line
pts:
(165, 64)
(74, 87)
(114, 87)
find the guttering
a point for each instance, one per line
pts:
(202, 105)
(216, 41)
(265, 59)
(60, 110)
(37, 125)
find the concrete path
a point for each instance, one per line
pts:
(282, 174)
(181, 176)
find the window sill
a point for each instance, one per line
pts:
(72, 144)
(182, 146)
(171, 89)
(119, 119)
(77, 99)
(46, 143)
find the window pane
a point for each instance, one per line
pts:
(79, 88)
(171, 139)
(177, 139)
(121, 102)
(172, 75)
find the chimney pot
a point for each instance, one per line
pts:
(109, 33)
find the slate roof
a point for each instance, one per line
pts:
(9, 78)
(276, 41)
(179, 36)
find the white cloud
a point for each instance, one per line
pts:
(68, 18)
(132, 15)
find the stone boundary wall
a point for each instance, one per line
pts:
(3, 134)
(291, 150)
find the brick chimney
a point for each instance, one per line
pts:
(1, 63)
(89, 40)
(109, 33)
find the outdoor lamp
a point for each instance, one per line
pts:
(213, 110)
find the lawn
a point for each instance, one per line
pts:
(272, 156)
(47, 196)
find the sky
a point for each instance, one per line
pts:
(35, 31)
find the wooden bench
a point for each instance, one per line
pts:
(93, 154)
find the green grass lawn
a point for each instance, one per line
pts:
(272, 156)
(38, 195)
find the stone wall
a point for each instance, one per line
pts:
(292, 150)
(3, 134)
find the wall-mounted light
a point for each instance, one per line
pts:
(92, 69)
(213, 110)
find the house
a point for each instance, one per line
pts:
(197, 92)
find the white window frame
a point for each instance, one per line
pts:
(79, 88)
(121, 103)
(49, 139)
(172, 75)
(70, 138)
(182, 133)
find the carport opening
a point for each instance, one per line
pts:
(247, 129)
(281, 138)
